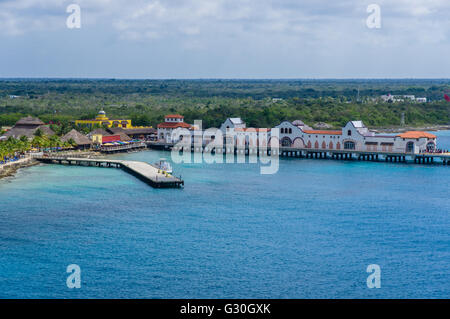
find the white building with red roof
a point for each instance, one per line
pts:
(354, 136)
(171, 123)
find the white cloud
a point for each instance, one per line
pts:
(257, 33)
(166, 18)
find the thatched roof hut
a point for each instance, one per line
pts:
(121, 132)
(77, 137)
(98, 131)
(115, 130)
(29, 121)
(130, 133)
(27, 126)
(46, 130)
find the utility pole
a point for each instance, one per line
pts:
(402, 121)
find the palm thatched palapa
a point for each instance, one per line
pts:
(121, 132)
(78, 138)
(98, 131)
(29, 121)
(134, 132)
(28, 126)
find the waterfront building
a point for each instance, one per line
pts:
(28, 126)
(354, 136)
(252, 137)
(231, 124)
(102, 120)
(167, 128)
(301, 125)
(111, 139)
(142, 133)
(81, 141)
(119, 131)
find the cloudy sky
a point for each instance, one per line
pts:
(225, 39)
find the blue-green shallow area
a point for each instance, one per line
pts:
(308, 231)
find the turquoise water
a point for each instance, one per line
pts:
(308, 231)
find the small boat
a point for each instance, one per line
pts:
(164, 165)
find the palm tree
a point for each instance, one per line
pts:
(24, 144)
(37, 142)
(39, 133)
(55, 141)
(72, 142)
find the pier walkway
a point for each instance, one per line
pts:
(343, 154)
(144, 171)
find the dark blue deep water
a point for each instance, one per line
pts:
(308, 231)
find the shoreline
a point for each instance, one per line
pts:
(10, 169)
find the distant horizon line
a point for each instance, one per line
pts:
(223, 78)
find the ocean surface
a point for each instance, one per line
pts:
(309, 231)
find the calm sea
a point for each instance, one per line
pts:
(309, 231)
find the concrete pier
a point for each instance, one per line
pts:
(342, 154)
(144, 171)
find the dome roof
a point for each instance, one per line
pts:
(102, 112)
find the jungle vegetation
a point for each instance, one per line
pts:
(261, 103)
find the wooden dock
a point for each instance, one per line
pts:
(144, 171)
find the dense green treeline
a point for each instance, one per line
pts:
(262, 103)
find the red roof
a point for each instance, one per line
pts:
(416, 134)
(173, 125)
(176, 116)
(110, 138)
(324, 132)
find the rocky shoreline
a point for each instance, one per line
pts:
(11, 169)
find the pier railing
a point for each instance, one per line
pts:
(286, 151)
(119, 148)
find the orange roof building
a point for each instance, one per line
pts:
(354, 136)
(173, 125)
(416, 135)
